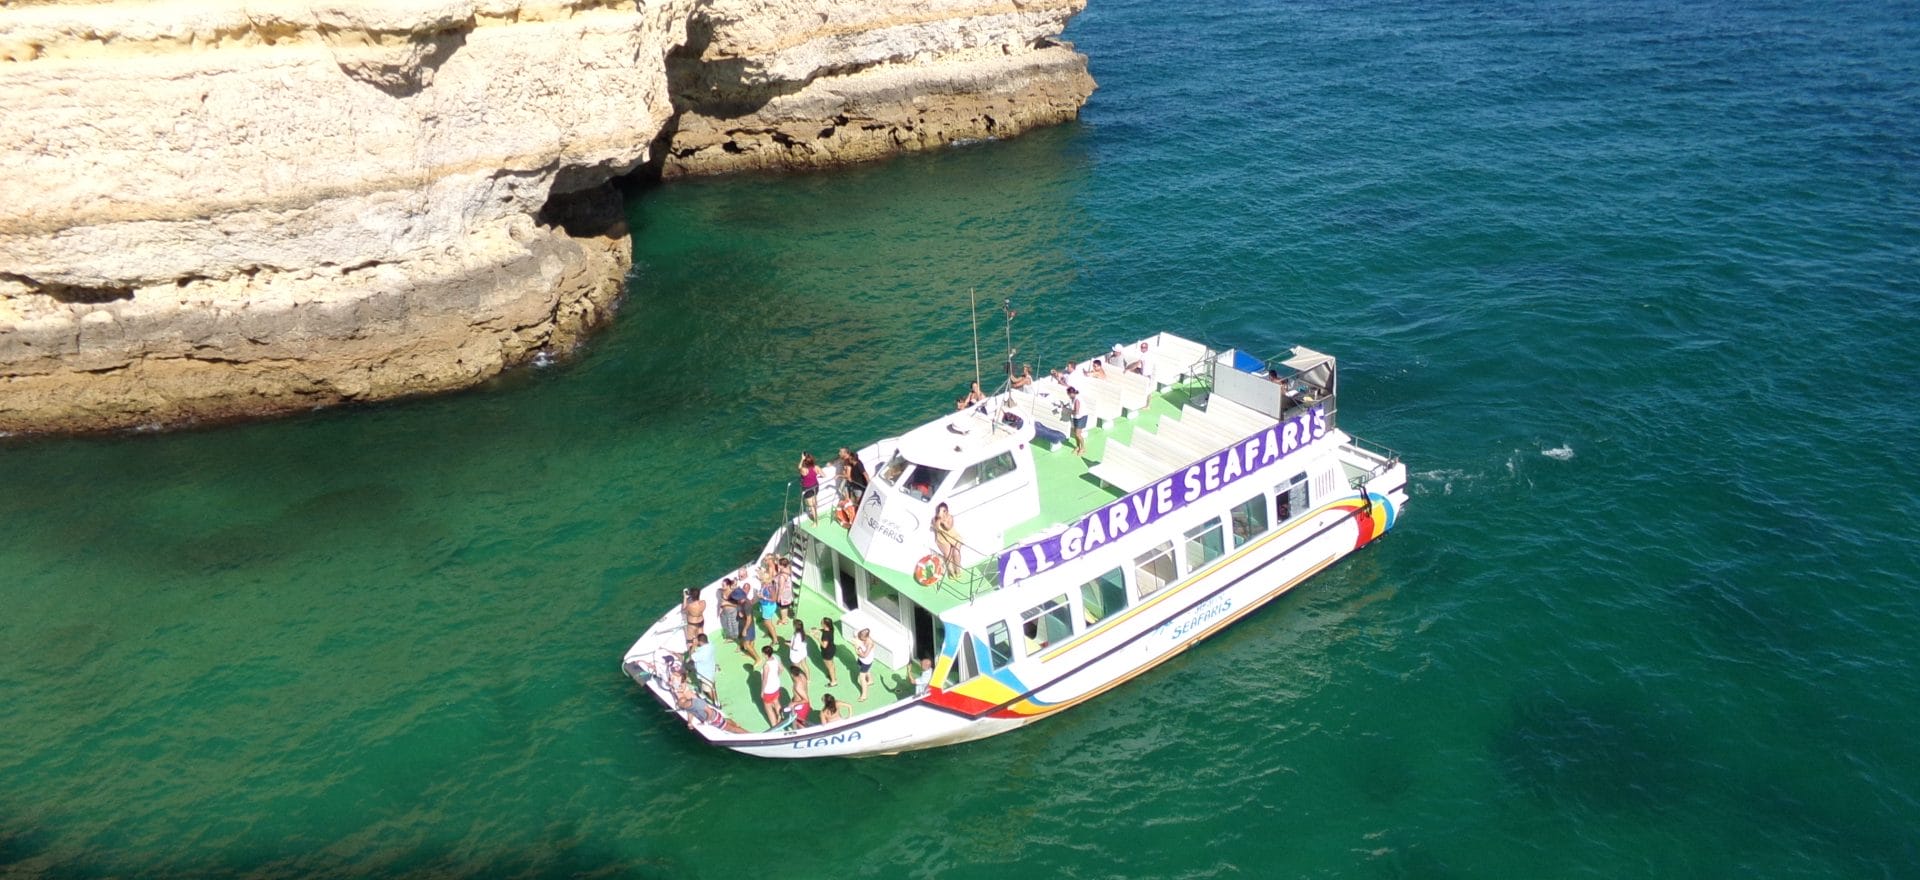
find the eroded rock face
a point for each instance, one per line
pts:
(230, 208)
(784, 84)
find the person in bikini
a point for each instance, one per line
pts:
(770, 686)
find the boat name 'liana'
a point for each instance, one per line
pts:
(1203, 478)
(834, 740)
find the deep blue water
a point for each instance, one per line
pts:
(1632, 287)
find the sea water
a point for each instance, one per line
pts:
(1632, 287)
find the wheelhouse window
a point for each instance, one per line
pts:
(999, 646)
(918, 480)
(1103, 596)
(1154, 570)
(1047, 623)
(1290, 498)
(1204, 544)
(895, 467)
(1249, 519)
(985, 472)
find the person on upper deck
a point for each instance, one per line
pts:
(810, 484)
(946, 537)
(1142, 365)
(1079, 422)
(853, 476)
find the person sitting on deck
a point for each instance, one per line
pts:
(974, 395)
(1141, 365)
(1095, 370)
(703, 712)
(831, 710)
(1023, 380)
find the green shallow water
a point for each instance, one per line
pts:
(1633, 289)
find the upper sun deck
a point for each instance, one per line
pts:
(1137, 440)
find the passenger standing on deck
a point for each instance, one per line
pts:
(863, 650)
(946, 537)
(705, 667)
(853, 476)
(826, 651)
(800, 707)
(810, 485)
(770, 686)
(797, 646)
(1079, 422)
(924, 681)
(783, 587)
(742, 601)
(769, 609)
(693, 609)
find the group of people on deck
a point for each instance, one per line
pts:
(764, 598)
(1118, 360)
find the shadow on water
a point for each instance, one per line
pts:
(1596, 751)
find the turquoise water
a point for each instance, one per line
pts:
(1634, 290)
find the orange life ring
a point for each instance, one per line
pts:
(844, 515)
(928, 570)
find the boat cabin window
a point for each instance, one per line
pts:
(1249, 519)
(1290, 498)
(1154, 570)
(1103, 596)
(886, 599)
(999, 646)
(964, 668)
(985, 472)
(1046, 623)
(919, 480)
(1204, 544)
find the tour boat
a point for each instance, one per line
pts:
(1211, 481)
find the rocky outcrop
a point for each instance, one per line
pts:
(228, 208)
(787, 84)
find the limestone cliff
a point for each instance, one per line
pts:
(223, 208)
(808, 83)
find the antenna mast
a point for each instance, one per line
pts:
(973, 306)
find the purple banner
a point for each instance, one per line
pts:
(1172, 492)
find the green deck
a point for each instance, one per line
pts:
(1067, 492)
(738, 680)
